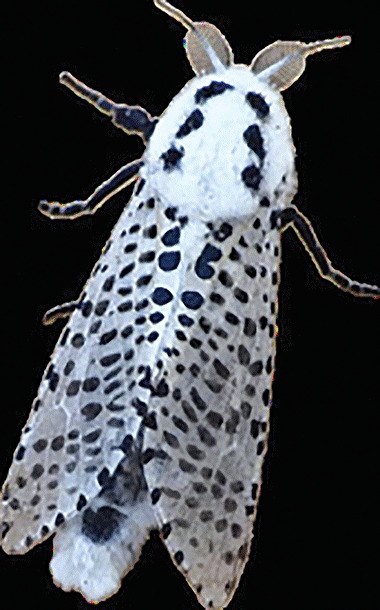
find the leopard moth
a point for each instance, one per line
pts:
(130, 431)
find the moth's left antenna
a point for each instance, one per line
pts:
(178, 15)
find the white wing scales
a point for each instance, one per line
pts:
(179, 363)
(213, 424)
(94, 551)
(74, 437)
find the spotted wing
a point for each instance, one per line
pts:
(75, 436)
(205, 455)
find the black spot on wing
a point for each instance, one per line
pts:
(192, 299)
(171, 237)
(225, 230)
(193, 122)
(161, 296)
(168, 261)
(171, 213)
(211, 90)
(258, 103)
(185, 320)
(156, 317)
(209, 254)
(172, 158)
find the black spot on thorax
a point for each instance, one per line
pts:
(258, 103)
(140, 186)
(172, 158)
(211, 90)
(193, 122)
(254, 140)
(251, 177)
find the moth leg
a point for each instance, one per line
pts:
(60, 311)
(107, 189)
(302, 226)
(131, 119)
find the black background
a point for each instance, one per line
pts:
(317, 532)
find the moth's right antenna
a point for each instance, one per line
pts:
(282, 63)
(206, 47)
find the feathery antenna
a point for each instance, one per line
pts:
(190, 25)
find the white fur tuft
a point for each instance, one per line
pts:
(96, 570)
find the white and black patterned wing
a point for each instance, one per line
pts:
(204, 457)
(75, 436)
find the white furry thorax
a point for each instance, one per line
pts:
(207, 180)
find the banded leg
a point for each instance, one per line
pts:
(107, 189)
(131, 119)
(292, 216)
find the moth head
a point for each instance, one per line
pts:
(280, 64)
